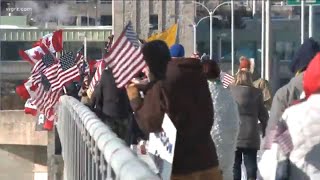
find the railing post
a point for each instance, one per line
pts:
(91, 150)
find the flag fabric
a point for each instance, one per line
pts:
(169, 35)
(45, 98)
(30, 108)
(53, 41)
(92, 64)
(80, 55)
(26, 90)
(81, 62)
(226, 79)
(125, 58)
(132, 36)
(47, 61)
(35, 54)
(101, 65)
(63, 72)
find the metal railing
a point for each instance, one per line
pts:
(91, 151)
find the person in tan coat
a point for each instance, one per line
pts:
(178, 88)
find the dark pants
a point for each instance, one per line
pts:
(250, 162)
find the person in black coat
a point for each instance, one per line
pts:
(111, 104)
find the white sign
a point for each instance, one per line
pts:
(41, 119)
(162, 145)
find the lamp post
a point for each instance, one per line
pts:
(211, 12)
(302, 21)
(310, 21)
(194, 26)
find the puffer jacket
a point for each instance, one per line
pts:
(303, 123)
(225, 128)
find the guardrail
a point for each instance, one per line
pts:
(91, 150)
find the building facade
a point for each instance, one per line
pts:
(154, 16)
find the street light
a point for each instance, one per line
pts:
(211, 29)
(194, 27)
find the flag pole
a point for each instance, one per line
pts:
(177, 33)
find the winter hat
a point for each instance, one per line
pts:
(177, 50)
(304, 55)
(244, 63)
(311, 78)
(157, 55)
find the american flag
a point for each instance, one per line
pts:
(45, 98)
(83, 66)
(281, 136)
(63, 72)
(80, 61)
(226, 79)
(125, 57)
(47, 61)
(97, 75)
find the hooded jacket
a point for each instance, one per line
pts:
(292, 91)
(185, 97)
(304, 55)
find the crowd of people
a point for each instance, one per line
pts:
(219, 128)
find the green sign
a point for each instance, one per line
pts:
(306, 2)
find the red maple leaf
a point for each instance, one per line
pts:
(48, 42)
(33, 87)
(37, 55)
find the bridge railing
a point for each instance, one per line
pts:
(90, 149)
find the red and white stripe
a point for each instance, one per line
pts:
(58, 78)
(125, 60)
(39, 68)
(46, 100)
(226, 79)
(101, 65)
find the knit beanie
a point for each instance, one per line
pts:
(304, 55)
(244, 64)
(177, 50)
(311, 77)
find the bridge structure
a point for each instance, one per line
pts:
(90, 150)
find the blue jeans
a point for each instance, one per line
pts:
(250, 162)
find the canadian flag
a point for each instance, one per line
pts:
(53, 41)
(26, 90)
(30, 108)
(35, 54)
(49, 123)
